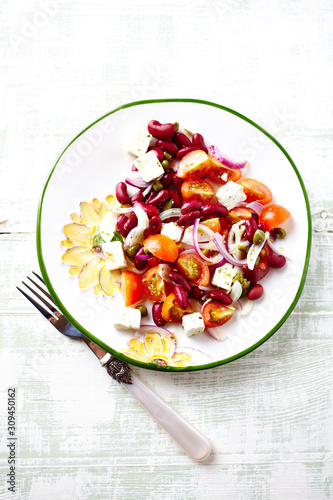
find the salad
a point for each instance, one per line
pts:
(186, 232)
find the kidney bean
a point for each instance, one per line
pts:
(160, 199)
(255, 292)
(262, 226)
(190, 206)
(121, 221)
(137, 197)
(161, 130)
(198, 140)
(168, 146)
(178, 182)
(157, 314)
(140, 263)
(181, 296)
(189, 218)
(153, 261)
(166, 178)
(134, 169)
(196, 293)
(182, 152)
(220, 297)
(149, 209)
(158, 152)
(215, 210)
(177, 200)
(182, 140)
(121, 193)
(150, 196)
(155, 226)
(180, 280)
(250, 228)
(276, 261)
(131, 223)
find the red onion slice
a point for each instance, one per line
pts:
(216, 333)
(255, 207)
(228, 162)
(212, 260)
(218, 240)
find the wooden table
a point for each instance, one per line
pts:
(269, 414)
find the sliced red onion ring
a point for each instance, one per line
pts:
(272, 246)
(137, 182)
(212, 260)
(147, 190)
(256, 207)
(254, 252)
(225, 160)
(164, 270)
(218, 240)
(216, 333)
(142, 256)
(171, 212)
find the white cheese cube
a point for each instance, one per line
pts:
(172, 230)
(193, 324)
(108, 226)
(230, 195)
(224, 275)
(127, 318)
(115, 258)
(140, 144)
(148, 166)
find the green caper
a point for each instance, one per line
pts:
(143, 310)
(176, 125)
(165, 164)
(258, 237)
(258, 260)
(168, 205)
(167, 156)
(157, 186)
(280, 233)
(133, 250)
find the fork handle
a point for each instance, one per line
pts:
(186, 436)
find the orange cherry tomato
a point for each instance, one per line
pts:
(194, 165)
(273, 216)
(256, 191)
(153, 285)
(215, 314)
(171, 310)
(213, 224)
(193, 268)
(162, 246)
(237, 214)
(197, 189)
(131, 288)
(218, 169)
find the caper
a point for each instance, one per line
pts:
(133, 250)
(188, 132)
(165, 164)
(168, 205)
(258, 237)
(176, 125)
(280, 233)
(167, 156)
(143, 310)
(258, 260)
(157, 185)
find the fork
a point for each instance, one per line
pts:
(186, 436)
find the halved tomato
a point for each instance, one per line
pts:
(197, 189)
(237, 214)
(193, 268)
(171, 310)
(162, 246)
(215, 314)
(217, 169)
(194, 165)
(213, 224)
(225, 226)
(256, 191)
(131, 288)
(153, 285)
(273, 216)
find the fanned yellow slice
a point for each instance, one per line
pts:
(111, 200)
(103, 211)
(88, 276)
(134, 355)
(78, 234)
(77, 256)
(76, 218)
(89, 214)
(107, 280)
(153, 344)
(97, 203)
(66, 243)
(97, 290)
(168, 345)
(181, 359)
(138, 349)
(74, 271)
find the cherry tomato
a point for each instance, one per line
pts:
(131, 288)
(153, 285)
(171, 310)
(217, 169)
(215, 313)
(237, 214)
(194, 165)
(162, 246)
(197, 189)
(193, 268)
(273, 216)
(213, 224)
(256, 191)
(225, 227)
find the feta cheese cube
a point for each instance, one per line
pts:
(140, 144)
(148, 166)
(224, 275)
(193, 324)
(127, 318)
(115, 258)
(230, 194)
(172, 230)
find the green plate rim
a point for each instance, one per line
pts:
(108, 348)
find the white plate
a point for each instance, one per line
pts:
(92, 164)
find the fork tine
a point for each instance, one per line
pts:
(50, 306)
(39, 277)
(42, 290)
(41, 309)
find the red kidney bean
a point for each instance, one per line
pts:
(262, 226)
(157, 314)
(121, 193)
(166, 178)
(189, 218)
(196, 293)
(189, 206)
(158, 152)
(150, 196)
(198, 140)
(220, 297)
(255, 217)
(182, 152)
(177, 200)
(215, 210)
(139, 263)
(161, 130)
(276, 261)
(180, 280)
(121, 221)
(178, 182)
(155, 226)
(134, 169)
(131, 223)
(255, 292)
(251, 275)
(168, 146)
(182, 140)
(250, 228)
(149, 209)
(181, 296)
(137, 197)
(160, 199)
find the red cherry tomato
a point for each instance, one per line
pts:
(256, 191)
(162, 246)
(217, 169)
(194, 165)
(273, 215)
(131, 288)
(171, 311)
(197, 189)
(153, 285)
(193, 268)
(237, 214)
(215, 313)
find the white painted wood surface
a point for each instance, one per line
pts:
(269, 414)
